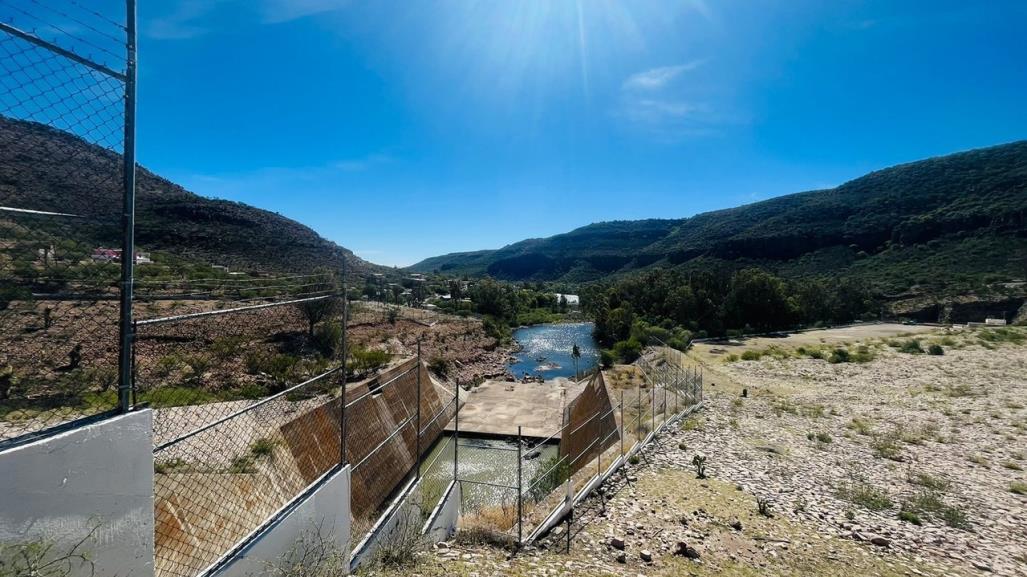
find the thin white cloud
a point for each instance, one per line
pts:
(189, 18)
(279, 11)
(657, 78)
(655, 103)
(656, 111)
(182, 22)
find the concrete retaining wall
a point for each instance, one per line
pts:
(590, 416)
(320, 521)
(402, 515)
(91, 486)
(443, 520)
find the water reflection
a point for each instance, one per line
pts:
(546, 350)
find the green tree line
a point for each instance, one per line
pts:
(675, 306)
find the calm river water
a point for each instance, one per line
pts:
(546, 350)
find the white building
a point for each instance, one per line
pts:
(572, 300)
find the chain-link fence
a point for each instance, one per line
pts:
(245, 377)
(200, 356)
(511, 486)
(393, 422)
(219, 483)
(66, 132)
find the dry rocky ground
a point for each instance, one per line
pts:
(462, 343)
(904, 464)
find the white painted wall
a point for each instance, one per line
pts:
(94, 479)
(444, 518)
(323, 515)
(401, 515)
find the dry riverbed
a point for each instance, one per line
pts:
(904, 464)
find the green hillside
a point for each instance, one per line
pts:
(48, 170)
(940, 221)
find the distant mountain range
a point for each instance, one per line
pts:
(45, 169)
(943, 220)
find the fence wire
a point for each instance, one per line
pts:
(63, 71)
(220, 482)
(198, 357)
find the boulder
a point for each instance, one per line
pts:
(686, 551)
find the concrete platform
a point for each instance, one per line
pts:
(496, 408)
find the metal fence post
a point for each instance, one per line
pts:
(520, 493)
(125, 384)
(638, 419)
(570, 521)
(665, 404)
(622, 423)
(134, 386)
(418, 475)
(653, 404)
(456, 434)
(343, 458)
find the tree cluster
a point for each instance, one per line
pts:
(661, 303)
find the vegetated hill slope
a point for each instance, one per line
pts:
(939, 220)
(45, 169)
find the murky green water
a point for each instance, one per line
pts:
(487, 469)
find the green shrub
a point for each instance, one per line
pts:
(366, 360)
(699, 462)
(607, 358)
(628, 351)
(863, 354)
(887, 447)
(167, 365)
(752, 355)
(936, 350)
(911, 347)
(929, 503)
(8, 381)
(263, 447)
(328, 339)
(280, 367)
(439, 366)
(1002, 335)
(929, 481)
(167, 466)
(820, 437)
(224, 348)
(909, 517)
(865, 495)
(552, 473)
(839, 356)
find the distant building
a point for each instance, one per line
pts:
(114, 255)
(572, 300)
(107, 254)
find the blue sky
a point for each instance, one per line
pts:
(407, 129)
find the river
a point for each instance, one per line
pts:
(546, 350)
